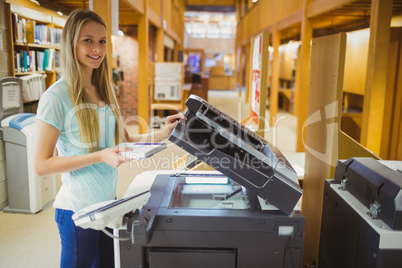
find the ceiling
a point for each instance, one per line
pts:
(66, 6)
(128, 16)
(347, 17)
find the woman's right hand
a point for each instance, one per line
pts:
(112, 156)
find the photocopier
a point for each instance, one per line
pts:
(242, 215)
(362, 215)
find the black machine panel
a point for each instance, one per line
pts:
(203, 231)
(229, 147)
(360, 219)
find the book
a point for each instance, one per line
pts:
(30, 32)
(141, 150)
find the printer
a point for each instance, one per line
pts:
(242, 215)
(362, 215)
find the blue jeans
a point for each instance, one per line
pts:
(82, 247)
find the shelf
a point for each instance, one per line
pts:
(38, 72)
(36, 46)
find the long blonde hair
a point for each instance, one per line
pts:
(87, 116)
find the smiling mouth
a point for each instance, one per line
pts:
(94, 57)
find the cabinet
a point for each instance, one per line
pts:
(35, 34)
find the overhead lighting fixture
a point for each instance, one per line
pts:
(255, 1)
(60, 13)
(35, 2)
(120, 33)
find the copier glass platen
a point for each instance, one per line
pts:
(197, 220)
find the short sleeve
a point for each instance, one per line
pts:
(50, 110)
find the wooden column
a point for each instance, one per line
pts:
(241, 70)
(160, 51)
(322, 132)
(273, 103)
(303, 75)
(249, 53)
(376, 79)
(104, 9)
(143, 91)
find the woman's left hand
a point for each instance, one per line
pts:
(171, 122)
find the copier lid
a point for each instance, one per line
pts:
(19, 121)
(240, 154)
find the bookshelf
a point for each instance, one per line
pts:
(166, 80)
(35, 34)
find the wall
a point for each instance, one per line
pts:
(127, 49)
(4, 71)
(212, 45)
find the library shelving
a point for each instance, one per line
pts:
(35, 34)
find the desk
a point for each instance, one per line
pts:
(220, 81)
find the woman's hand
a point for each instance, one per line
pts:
(171, 123)
(112, 156)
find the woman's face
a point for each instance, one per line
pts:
(91, 45)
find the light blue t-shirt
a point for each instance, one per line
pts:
(91, 184)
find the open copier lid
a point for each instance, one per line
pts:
(234, 150)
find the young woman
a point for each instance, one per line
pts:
(79, 116)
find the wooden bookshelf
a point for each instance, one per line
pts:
(35, 44)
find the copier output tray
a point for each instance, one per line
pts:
(234, 150)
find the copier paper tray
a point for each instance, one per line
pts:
(234, 150)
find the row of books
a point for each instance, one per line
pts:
(28, 32)
(33, 61)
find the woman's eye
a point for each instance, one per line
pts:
(103, 41)
(88, 40)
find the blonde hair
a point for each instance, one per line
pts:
(87, 116)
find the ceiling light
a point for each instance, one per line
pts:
(60, 13)
(120, 32)
(35, 2)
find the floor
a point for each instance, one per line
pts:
(33, 240)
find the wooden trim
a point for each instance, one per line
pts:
(322, 128)
(376, 79)
(291, 20)
(138, 5)
(273, 103)
(160, 52)
(241, 70)
(169, 31)
(104, 9)
(143, 90)
(302, 82)
(154, 18)
(248, 71)
(321, 6)
(10, 39)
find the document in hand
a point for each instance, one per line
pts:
(141, 150)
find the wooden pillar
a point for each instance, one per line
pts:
(143, 91)
(241, 70)
(104, 9)
(249, 53)
(160, 51)
(322, 132)
(273, 103)
(376, 79)
(242, 5)
(303, 75)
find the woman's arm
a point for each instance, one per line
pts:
(157, 136)
(46, 163)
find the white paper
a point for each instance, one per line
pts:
(11, 96)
